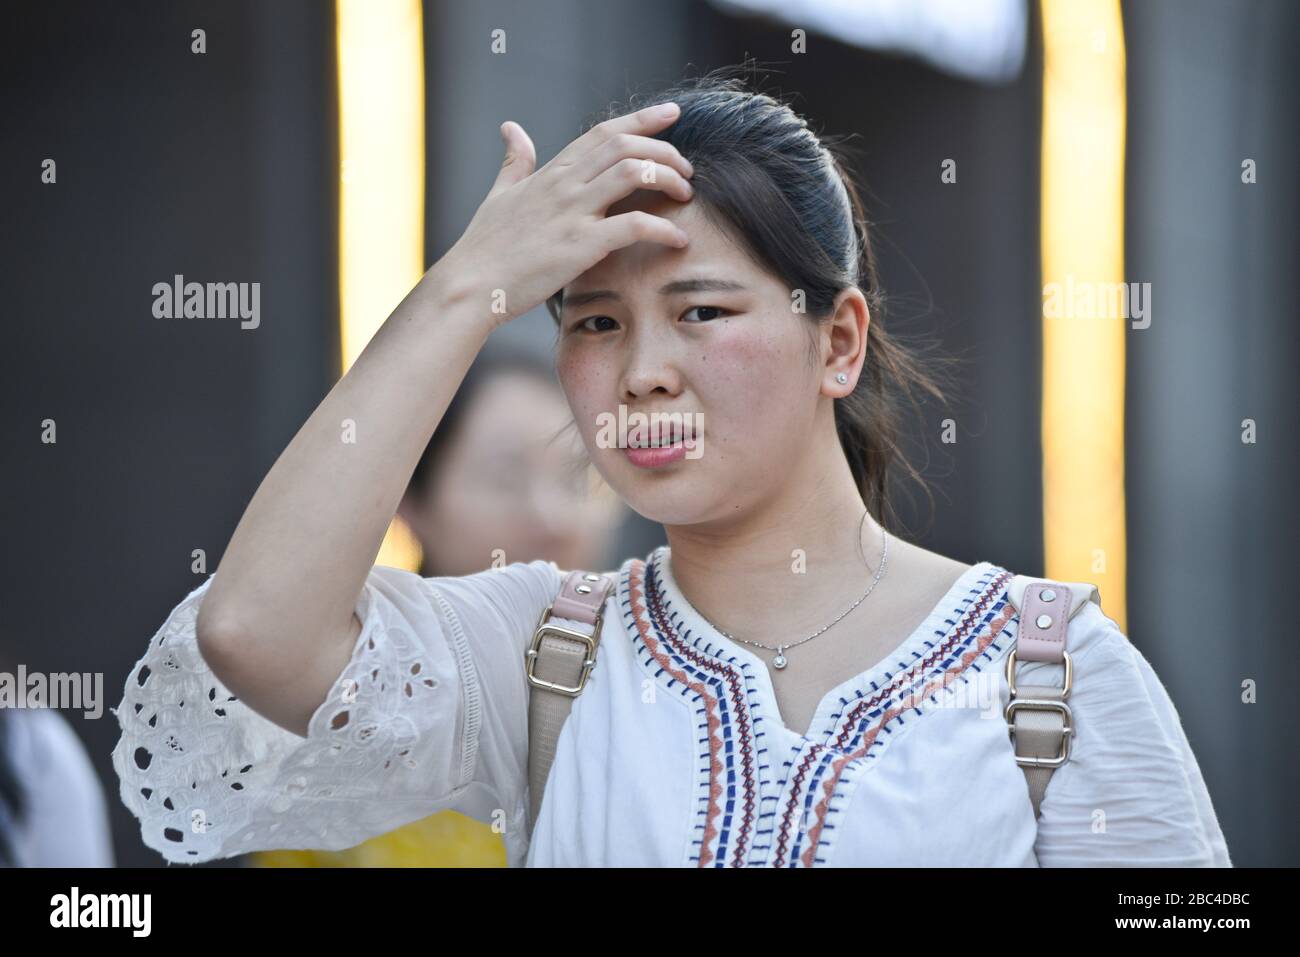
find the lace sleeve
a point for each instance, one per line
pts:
(1132, 794)
(429, 714)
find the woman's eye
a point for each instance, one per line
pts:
(716, 309)
(587, 325)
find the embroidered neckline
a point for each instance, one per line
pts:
(754, 811)
(700, 634)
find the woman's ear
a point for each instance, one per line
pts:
(844, 340)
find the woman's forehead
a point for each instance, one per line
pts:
(709, 249)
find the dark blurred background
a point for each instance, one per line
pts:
(225, 166)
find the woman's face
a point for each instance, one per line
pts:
(733, 360)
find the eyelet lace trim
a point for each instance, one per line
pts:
(209, 777)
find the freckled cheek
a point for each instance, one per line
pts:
(586, 384)
(744, 384)
(742, 346)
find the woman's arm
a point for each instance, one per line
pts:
(278, 625)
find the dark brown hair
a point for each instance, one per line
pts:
(763, 175)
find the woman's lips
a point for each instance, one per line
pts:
(651, 457)
(661, 443)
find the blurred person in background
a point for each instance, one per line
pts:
(503, 479)
(502, 476)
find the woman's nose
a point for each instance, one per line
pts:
(649, 369)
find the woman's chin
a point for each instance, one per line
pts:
(667, 500)
(675, 493)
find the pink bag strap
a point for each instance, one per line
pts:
(558, 664)
(1039, 721)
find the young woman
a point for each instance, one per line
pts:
(775, 687)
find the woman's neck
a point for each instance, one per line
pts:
(782, 567)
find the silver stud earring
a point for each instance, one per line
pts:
(841, 378)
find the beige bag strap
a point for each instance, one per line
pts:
(1039, 721)
(557, 664)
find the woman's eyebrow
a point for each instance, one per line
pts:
(677, 287)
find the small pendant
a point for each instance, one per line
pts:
(779, 661)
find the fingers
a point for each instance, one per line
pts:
(628, 175)
(644, 122)
(623, 145)
(615, 232)
(519, 160)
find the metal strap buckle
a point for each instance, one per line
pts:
(1069, 674)
(1041, 704)
(559, 631)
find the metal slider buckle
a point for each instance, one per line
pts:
(560, 631)
(1041, 704)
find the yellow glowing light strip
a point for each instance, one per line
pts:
(1083, 242)
(381, 181)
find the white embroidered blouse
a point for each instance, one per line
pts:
(674, 754)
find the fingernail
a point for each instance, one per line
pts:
(668, 109)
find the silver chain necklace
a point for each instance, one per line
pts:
(780, 661)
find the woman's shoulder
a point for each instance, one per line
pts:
(1090, 633)
(916, 563)
(532, 584)
(618, 573)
